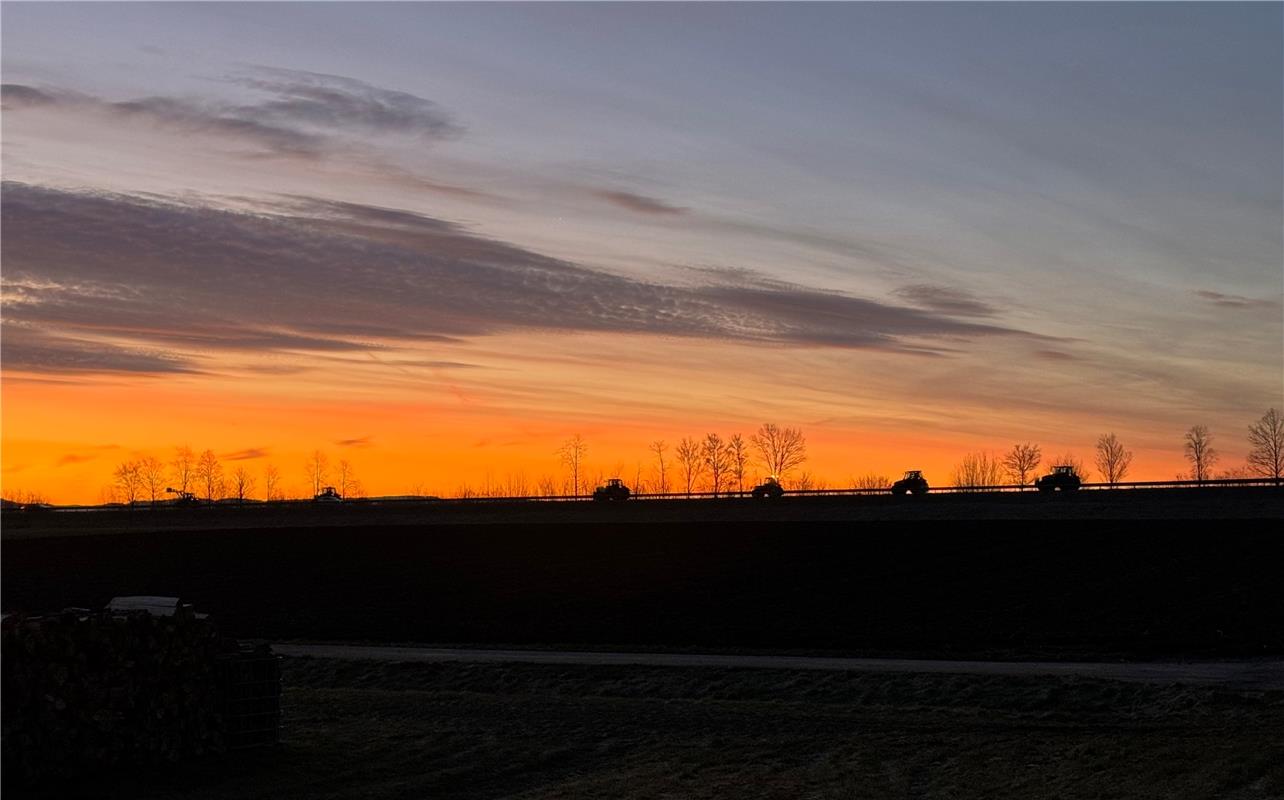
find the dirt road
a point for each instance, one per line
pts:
(1253, 675)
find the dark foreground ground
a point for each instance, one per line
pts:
(363, 730)
(1049, 589)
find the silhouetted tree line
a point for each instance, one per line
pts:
(713, 463)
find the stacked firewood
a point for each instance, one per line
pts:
(86, 691)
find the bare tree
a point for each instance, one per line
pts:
(1021, 461)
(209, 475)
(739, 451)
(1112, 459)
(547, 486)
(690, 458)
(871, 481)
(242, 483)
(978, 470)
(272, 483)
(151, 473)
(318, 468)
(348, 486)
(807, 482)
(781, 449)
(128, 481)
(1200, 452)
(717, 459)
(659, 447)
(183, 468)
(1266, 438)
(572, 454)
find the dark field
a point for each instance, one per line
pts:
(1002, 589)
(366, 730)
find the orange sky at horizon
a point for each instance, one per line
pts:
(63, 438)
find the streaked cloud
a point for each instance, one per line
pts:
(1235, 301)
(639, 203)
(175, 280)
(360, 441)
(246, 455)
(946, 301)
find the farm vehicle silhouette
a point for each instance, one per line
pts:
(1063, 478)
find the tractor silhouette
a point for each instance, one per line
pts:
(912, 483)
(769, 489)
(328, 495)
(1062, 477)
(613, 489)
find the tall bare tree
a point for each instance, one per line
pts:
(209, 475)
(183, 468)
(272, 483)
(318, 469)
(572, 453)
(1200, 452)
(717, 459)
(1021, 461)
(978, 470)
(242, 483)
(1112, 459)
(1266, 440)
(128, 481)
(662, 476)
(739, 451)
(151, 473)
(690, 459)
(781, 449)
(346, 477)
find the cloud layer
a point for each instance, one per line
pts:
(123, 284)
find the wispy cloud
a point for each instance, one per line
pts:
(304, 114)
(638, 203)
(171, 280)
(245, 455)
(946, 300)
(360, 441)
(1235, 301)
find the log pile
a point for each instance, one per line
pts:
(85, 691)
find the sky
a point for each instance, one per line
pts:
(437, 240)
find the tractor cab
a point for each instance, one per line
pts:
(769, 489)
(613, 489)
(1063, 478)
(328, 495)
(912, 483)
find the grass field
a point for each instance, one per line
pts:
(1047, 590)
(365, 730)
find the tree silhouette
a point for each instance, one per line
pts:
(1021, 462)
(318, 468)
(272, 483)
(242, 483)
(978, 469)
(1266, 440)
(871, 481)
(348, 486)
(717, 459)
(209, 475)
(128, 481)
(781, 449)
(1200, 452)
(739, 452)
(572, 454)
(151, 473)
(184, 468)
(659, 447)
(691, 459)
(1112, 459)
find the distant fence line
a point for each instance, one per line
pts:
(1007, 488)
